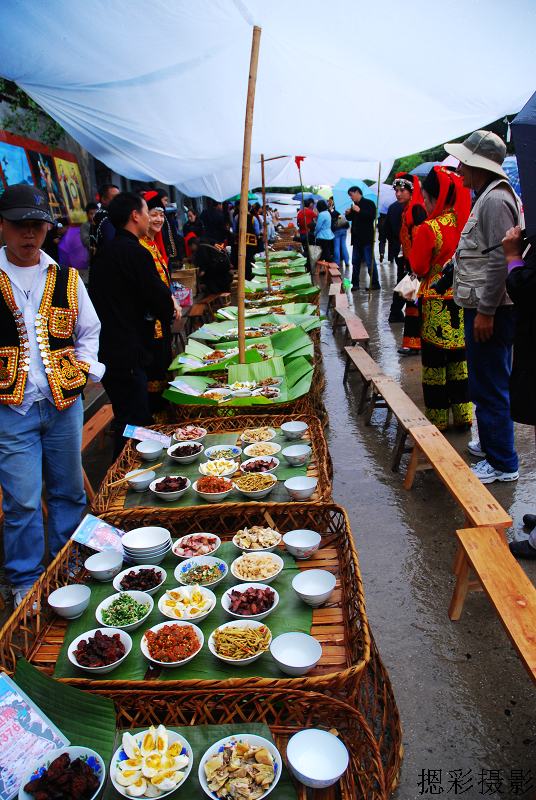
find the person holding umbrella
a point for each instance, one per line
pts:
(479, 288)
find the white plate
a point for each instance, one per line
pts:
(181, 569)
(141, 597)
(238, 623)
(178, 542)
(248, 738)
(225, 473)
(241, 587)
(118, 578)
(170, 664)
(249, 454)
(245, 437)
(203, 589)
(170, 496)
(123, 635)
(85, 753)
(277, 559)
(264, 459)
(172, 737)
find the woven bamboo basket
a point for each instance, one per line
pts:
(284, 712)
(111, 499)
(350, 669)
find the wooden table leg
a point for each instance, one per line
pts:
(399, 448)
(460, 590)
(412, 468)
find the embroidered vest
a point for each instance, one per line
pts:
(54, 326)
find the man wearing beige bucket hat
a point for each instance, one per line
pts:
(479, 288)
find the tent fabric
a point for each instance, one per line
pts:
(157, 91)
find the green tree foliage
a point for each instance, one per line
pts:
(26, 118)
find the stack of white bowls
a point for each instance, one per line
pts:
(146, 545)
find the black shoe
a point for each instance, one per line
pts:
(529, 521)
(408, 351)
(396, 318)
(522, 549)
(375, 286)
(355, 288)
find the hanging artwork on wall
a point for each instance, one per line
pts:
(45, 177)
(14, 165)
(72, 189)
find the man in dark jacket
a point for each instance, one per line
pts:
(393, 223)
(362, 214)
(213, 219)
(125, 289)
(101, 230)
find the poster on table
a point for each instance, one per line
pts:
(14, 165)
(44, 171)
(72, 189)
(26, 736)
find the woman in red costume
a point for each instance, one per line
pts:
(157, 373)
(408, 192)
(444, 367)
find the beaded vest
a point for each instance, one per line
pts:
(54, 327)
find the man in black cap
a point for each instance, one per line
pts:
(49, 335)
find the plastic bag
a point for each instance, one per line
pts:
(408, 287)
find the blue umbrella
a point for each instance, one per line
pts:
(524, 135)
(340, 193)
(510, 167)
(387, 195)
(308, 196)
(423, 169)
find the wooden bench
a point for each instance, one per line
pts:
(355, 330)
(358, 358)
(94, 429)
(477, 502)
(509, 589)
(387, 393)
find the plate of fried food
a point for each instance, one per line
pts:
(253, 757)
(256, 538)
(263, 567)
(263, 434)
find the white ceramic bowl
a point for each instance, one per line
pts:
(140, 483)
(231, 468)
(294, 429)
(118, 578)
(104, 566)
(241, 587)
(197, 438)
(314, 586)
(70, 601)
(219, 394)
(149, 450)
(123, 635)
(146, 559)
(149, 538)
(178, 542)
(242, 393)
(316, 758)
(256, 549)
(264, 459)
(250, 447)
(251, 739)
(185, 566)
(271, 431)
(198, 617)
(213, 497)
(296, 653)
(74, 751)
(258, 495)
(170, 496)
(174, 452)
(275, 558)
(211, 451)
(120, 754)
(301, 487)
(237, 623)
(302, 543)
(141, 597)
(170, 664)
(297, 454)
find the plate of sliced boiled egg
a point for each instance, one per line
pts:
(187, 603)
(151, 763)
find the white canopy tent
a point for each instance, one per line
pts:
(157, 90)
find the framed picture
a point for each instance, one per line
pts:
(14, 166)
(72, 189)
(44, 172)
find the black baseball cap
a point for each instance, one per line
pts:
(22, 201)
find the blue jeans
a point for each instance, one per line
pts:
(44, 443)
(340, 248)
(363, 252)
(489, 365)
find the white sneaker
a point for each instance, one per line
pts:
(488, 474)
(475, 448)
(19, 593)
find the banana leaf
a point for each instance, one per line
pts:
(231, 312)
(191, 361)
(279, 254)
(278, 273)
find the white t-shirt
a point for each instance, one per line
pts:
(24, 277)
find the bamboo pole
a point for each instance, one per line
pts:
(375, 229)
(265, 228)
(244, 191)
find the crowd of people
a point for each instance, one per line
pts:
(475, 298)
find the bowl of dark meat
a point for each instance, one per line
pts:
(250, 601)
(100, 650)
(185, 452)
(261, 464)
(142, 578)
(170, 488)
(64, 774)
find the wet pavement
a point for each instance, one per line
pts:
(465, 700)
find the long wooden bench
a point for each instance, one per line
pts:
(358, 358)
(387, 393)
(477, 502)
(355, 330)
(509, 589)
